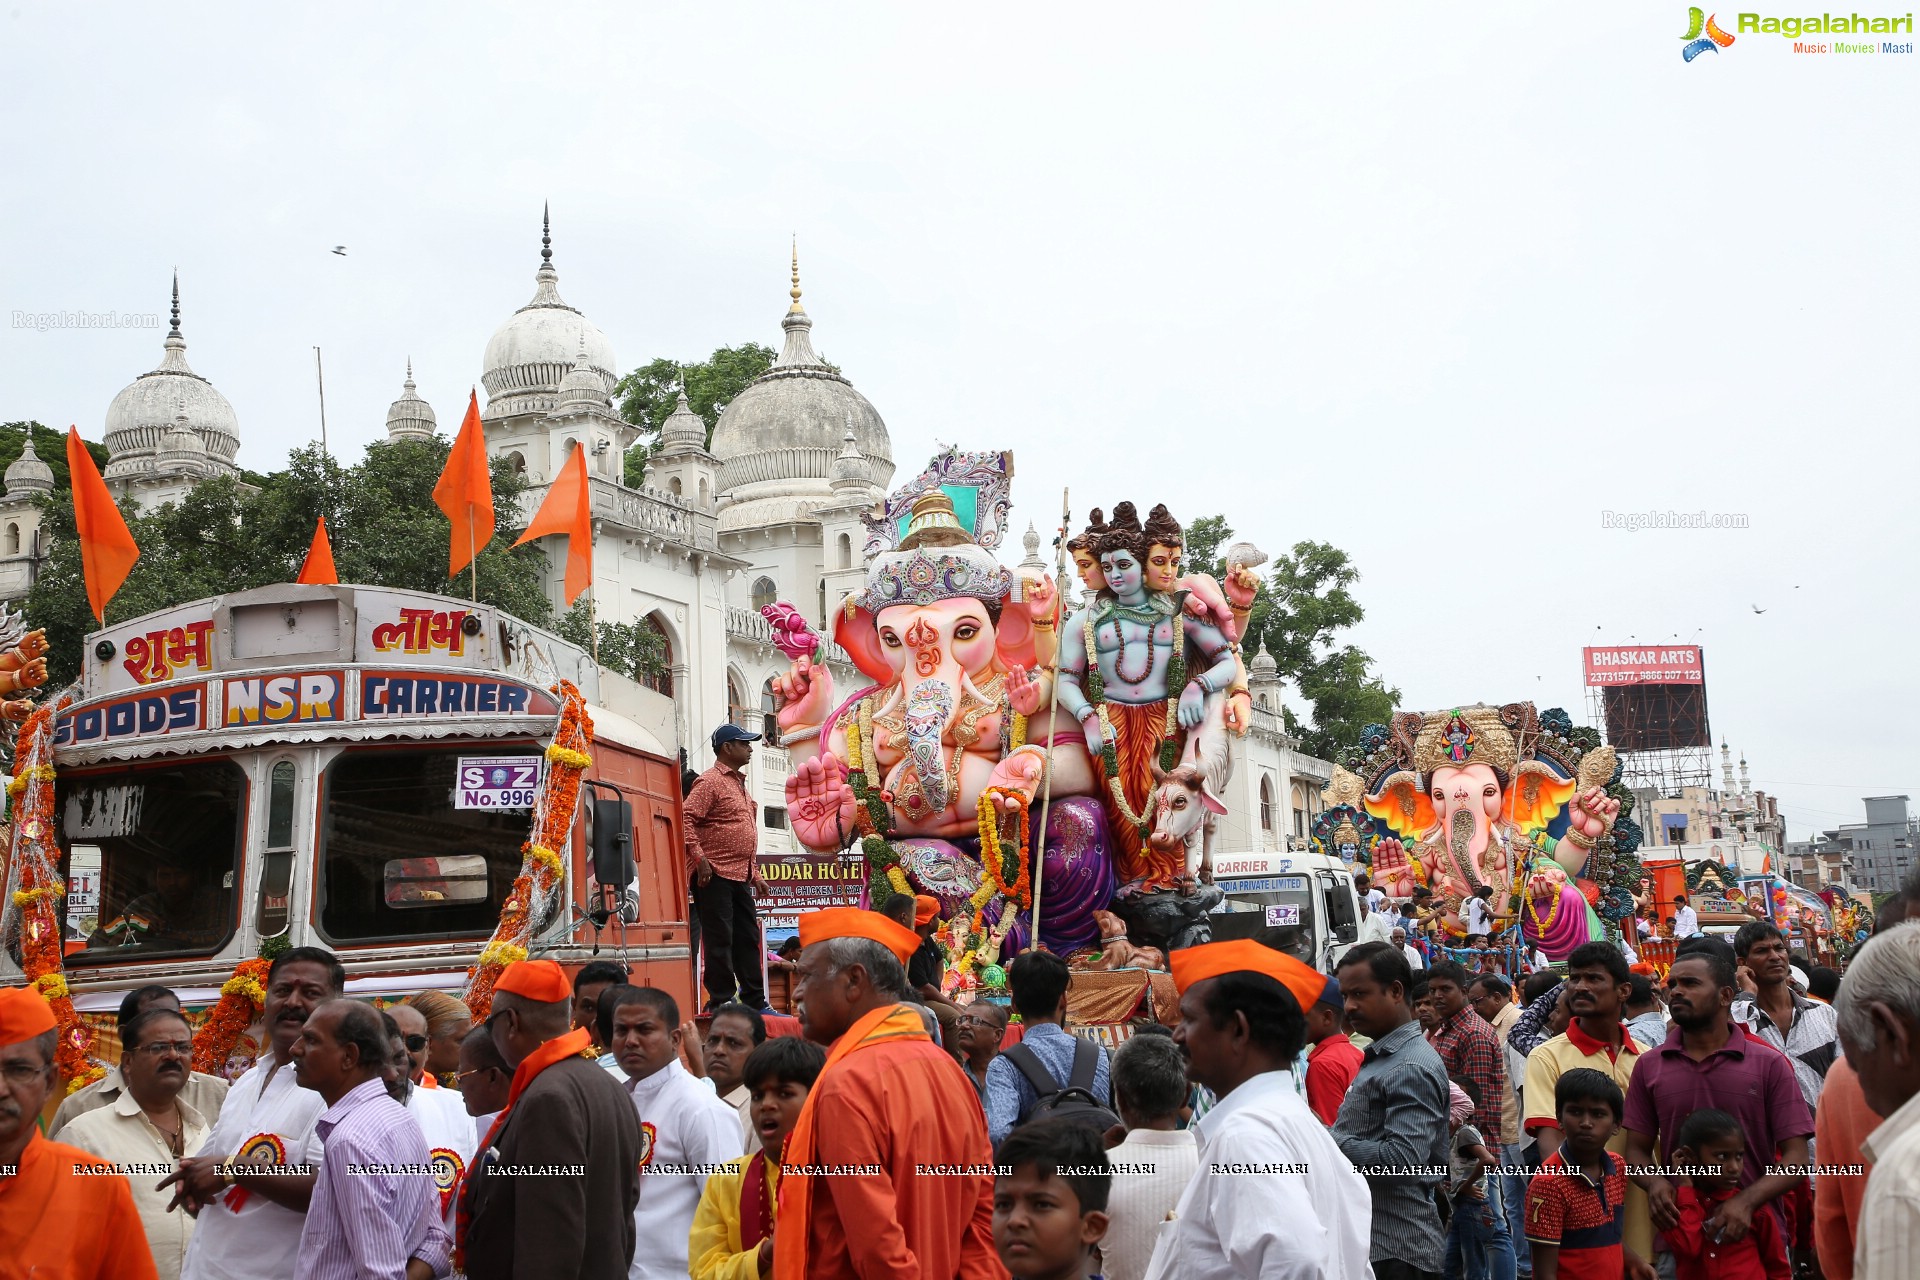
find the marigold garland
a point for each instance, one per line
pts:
(33, 878)
(242, 997)
(542, 866)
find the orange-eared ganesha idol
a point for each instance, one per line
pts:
(1482, 795)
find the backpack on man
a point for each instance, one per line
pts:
(1073, 1102)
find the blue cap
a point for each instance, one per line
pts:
(1330, 995)
(732, 733)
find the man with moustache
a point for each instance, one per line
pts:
(978, 1035)
(684, 1128)
(204, 1093)
(248, 1220)
(150, 1126)
(734, 1032)
(551, 1192)
(63, 1213)
(371, 1217)
(1708, 1060)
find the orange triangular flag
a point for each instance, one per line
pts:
(107, 549)
(318, 568)
(465, 490)
(566, 510)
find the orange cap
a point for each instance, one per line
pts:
(541, 981)
(24, 1014)
(1244, 955)
(925, 908)
(853, 922)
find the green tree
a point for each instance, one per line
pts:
(48, 444)
(633, 649)
(647, 395)
(1303, 603)
(225, 536)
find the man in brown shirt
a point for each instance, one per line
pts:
(723, 841)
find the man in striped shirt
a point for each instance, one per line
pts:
(374, 1215)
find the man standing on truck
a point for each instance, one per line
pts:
(723, 844)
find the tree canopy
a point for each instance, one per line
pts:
(48, 444)
(1303, 603)
(647, 395)
(384, 528)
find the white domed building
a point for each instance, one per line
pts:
(150, 460)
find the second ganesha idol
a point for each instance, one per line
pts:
(1482, 795)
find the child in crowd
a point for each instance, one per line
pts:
(1478, 1246)
(1050, 1206)
(1577, 1202)
(1708, 1155)
(732, 1236)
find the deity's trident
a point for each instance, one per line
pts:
(1038, 849)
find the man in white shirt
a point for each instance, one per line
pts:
(1685, 922)
(686, 1133)
(1157, 1159)
(149, 1127)
(1374, 925)
(1479, 911)
(249, 1224)
(1412, 953)
(1879, 1031)
(441, 1115)
(1308, 1213)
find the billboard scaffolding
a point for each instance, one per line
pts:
(1652, 704)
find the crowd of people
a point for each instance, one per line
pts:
(1381, 1121)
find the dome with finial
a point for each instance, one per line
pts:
(850, 469)
(146, 409)
(582, 387)
(778, 440)
(533, 352)
(28, 474)
(684, 430)
(181, 448)
(410, 417)
(1263, 666)
(1031, 566)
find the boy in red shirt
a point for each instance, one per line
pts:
(1707, 1157)
(1577, 1203)
(1332, 1062)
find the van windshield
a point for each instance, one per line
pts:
(1274, 910)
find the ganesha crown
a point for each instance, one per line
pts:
(926, 575)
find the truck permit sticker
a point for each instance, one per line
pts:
(497, 782)
(1285, 913)
(307, 697)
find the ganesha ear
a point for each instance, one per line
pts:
(853, 630)
(1013, 636)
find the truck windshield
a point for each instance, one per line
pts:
(1274, 910)
(153, 858)
(399, 859)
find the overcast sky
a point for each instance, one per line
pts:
(1438, 285)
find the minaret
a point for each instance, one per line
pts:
(843, 532)
(410, 417)
(681, 464)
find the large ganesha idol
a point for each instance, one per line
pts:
(1485, 795)
(936, 766)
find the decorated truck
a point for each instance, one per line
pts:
(423, 785)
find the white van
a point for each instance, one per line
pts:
(1301, 903)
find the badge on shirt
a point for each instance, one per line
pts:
(447, 1168)
(647, 1135)
(260, 1149)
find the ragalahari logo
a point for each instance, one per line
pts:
(1714, 39)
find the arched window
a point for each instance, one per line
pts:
(764, 592)
(673, 486)
(519, 462)
(769, 719)
(13, 538)
(661, 680)
(737, 712)
(846, 551)
(703, 493)
(1266, 804)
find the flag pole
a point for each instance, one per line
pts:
(473, 560)
(1039, 847)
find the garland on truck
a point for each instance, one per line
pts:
(542, 865)
(35, 886)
